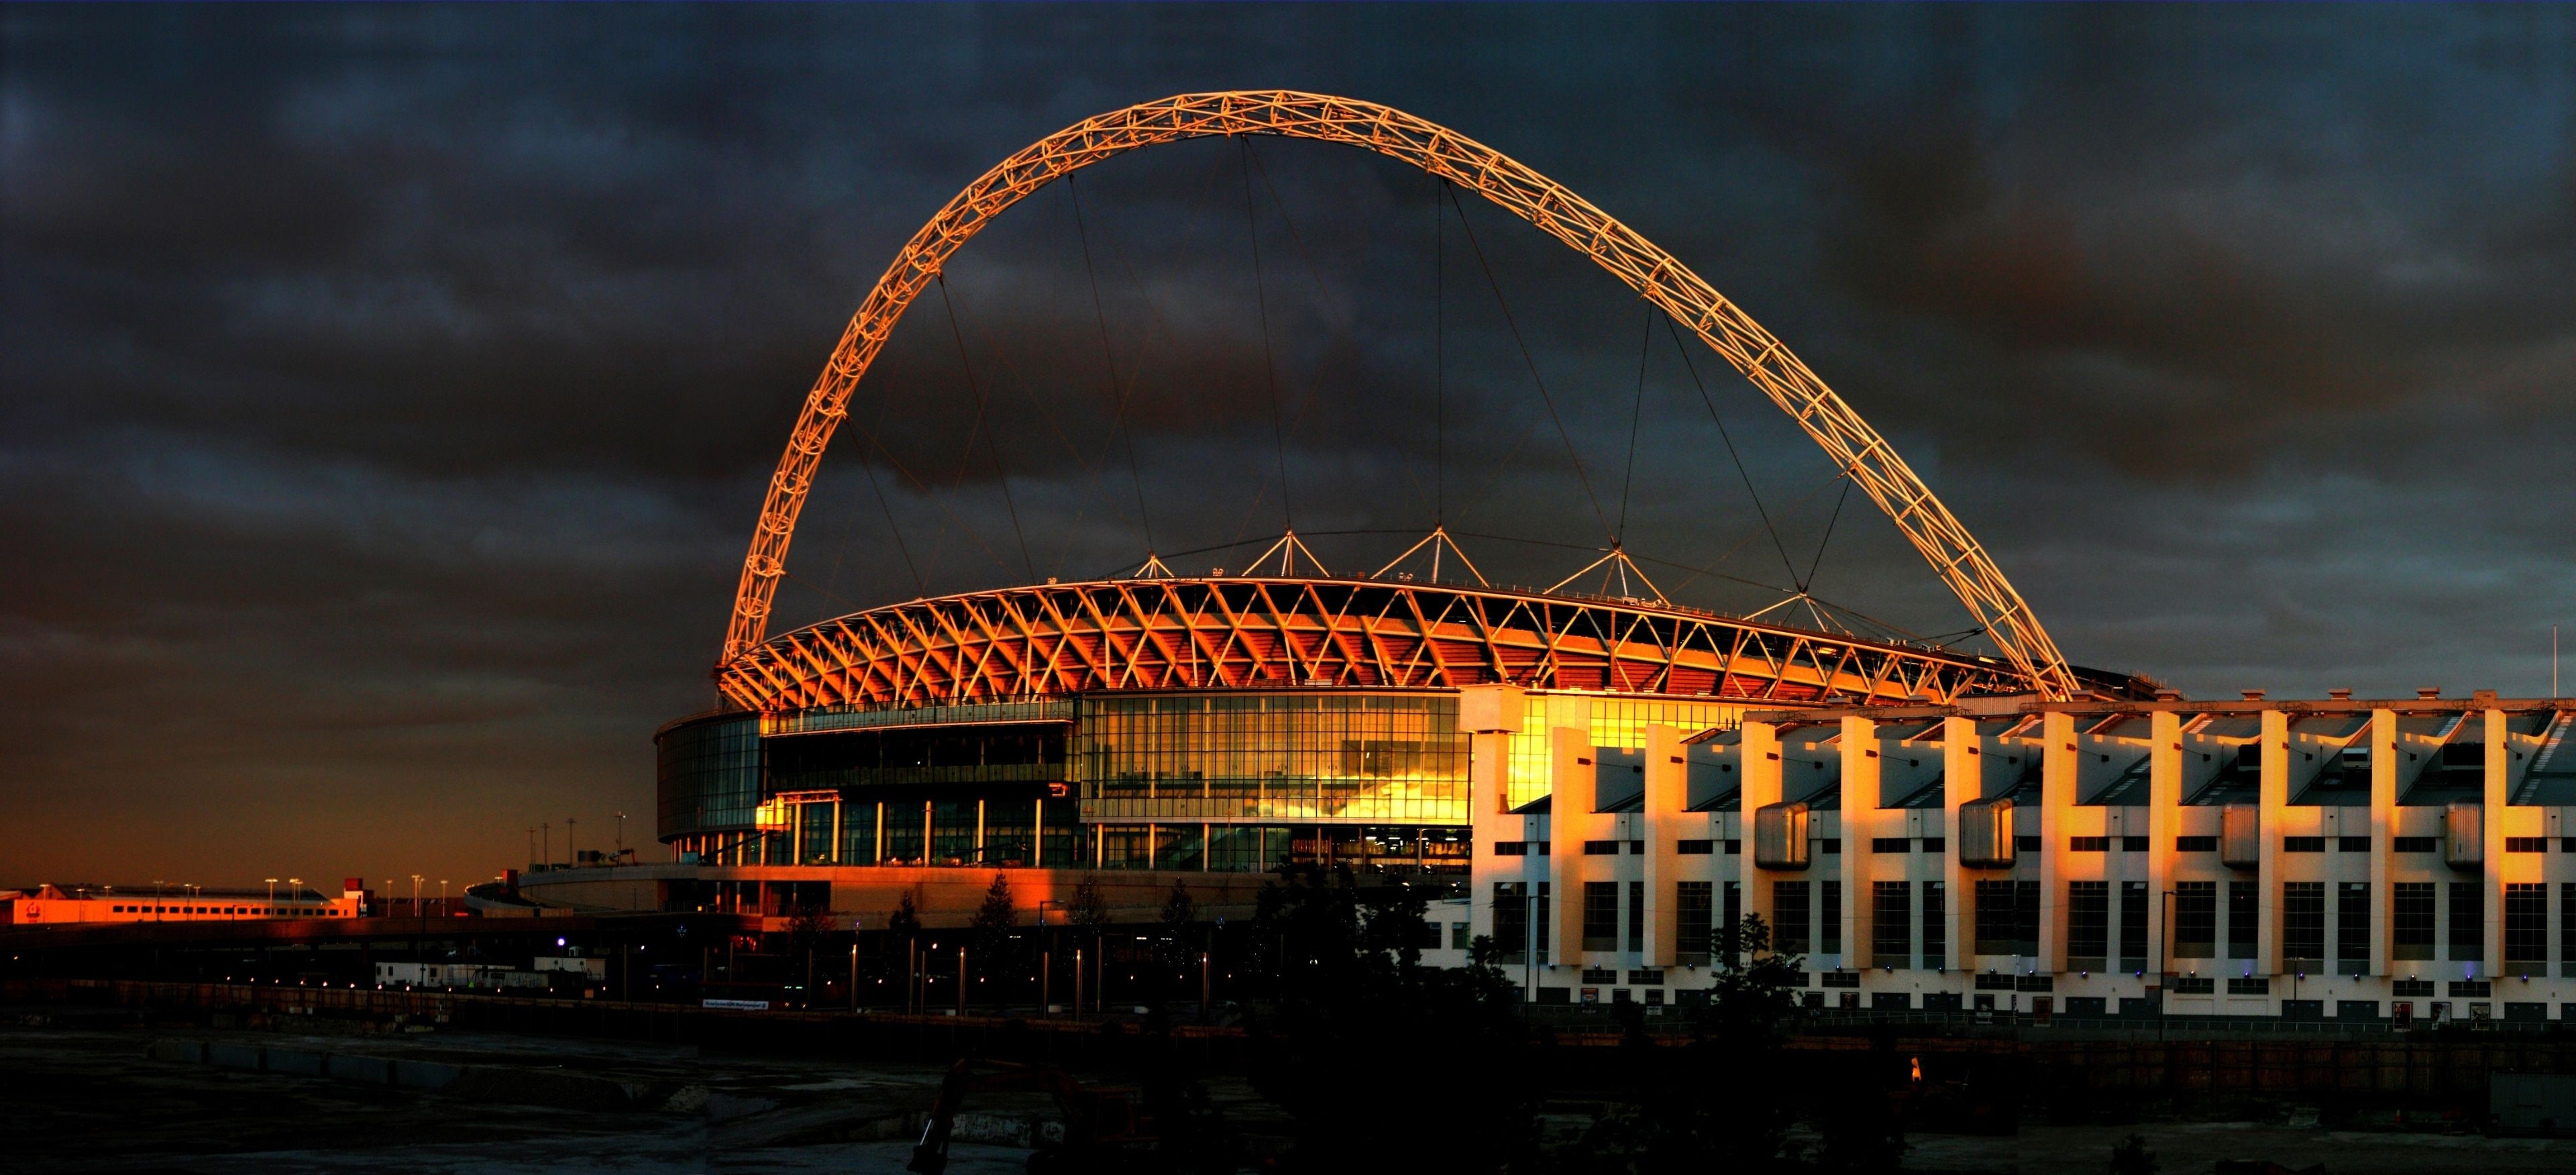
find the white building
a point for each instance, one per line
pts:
(2308, 859)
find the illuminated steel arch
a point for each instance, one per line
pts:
(1856, 448)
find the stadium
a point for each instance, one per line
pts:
(1593, 776)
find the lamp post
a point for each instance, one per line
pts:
(272, 898)
(571, 855)
(442, 897)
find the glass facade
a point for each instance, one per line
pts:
(707, 775)
(1304, 757)
(1611, 722)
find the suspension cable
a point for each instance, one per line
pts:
(992, 448)
(1830, 520)
(1109, 359)
(1269, 364)
(1439, 357)
(1636, 416)
(1535, 380)
(1731, 454)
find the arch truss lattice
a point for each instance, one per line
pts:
(1856, 449)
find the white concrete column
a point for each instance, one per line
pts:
(1667, 789)
(2164, 827)
(2058, 780)
(1861, 825)
(2274, 798)
(1762, 767)
(2383, 834)
(1488, 757)
(1962, 780)
(2491, 822)
(1570, 788)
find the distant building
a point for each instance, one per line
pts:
(50, 904)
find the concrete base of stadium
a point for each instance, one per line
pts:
(941, 895)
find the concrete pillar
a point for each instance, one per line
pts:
(2491, 822)
(2057, 786)
(1962, 780)
(1667, 789)
(2382, 734)
(1861, 825)
(2274, 800)
(1487, 756)
(2164, 827)
(1762, 766)
(1570, 787)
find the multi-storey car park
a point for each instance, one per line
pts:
(1577, 768)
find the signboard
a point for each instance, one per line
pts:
(736, 1005)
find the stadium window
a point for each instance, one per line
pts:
(2026, 844)
(2411, 922)
(2526, 844)
(1831, 845)
(1511, 848)
(1791, 927)
(1694, 848)
(1734, 848)
(2242, 900)
(1889, 844)
(2567, 924)
(1601, 848)
(1695, 920)
(2195, 844)
(2526, 923)
(2089, 844)
(1936, 844)
(2352, 844)
(2088, 924)
(2303, 844)
(2414, 844)
(2468, 922)
(2352, 928)
(1936, 927)
(1891, 923)
(2303, 925)
(1600, 915)
(1830, 917)
(1636, 915)
(2196, 920)
(2133, 844)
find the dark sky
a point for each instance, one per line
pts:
(386, 393)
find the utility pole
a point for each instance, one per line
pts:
(621, 834)
(442, 897)
(571, 854)
(546, 839)
(961, 981)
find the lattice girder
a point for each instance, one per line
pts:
(1061, 639)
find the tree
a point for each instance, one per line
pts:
(1178, 946)
(1352, 984)
(808, 925)
(1718, 1100)
(989, 934)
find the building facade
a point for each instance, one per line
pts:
(1153, 730)
(2339, 858)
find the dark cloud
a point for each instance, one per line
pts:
(389, 391)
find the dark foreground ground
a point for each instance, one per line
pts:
(81, 1092)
